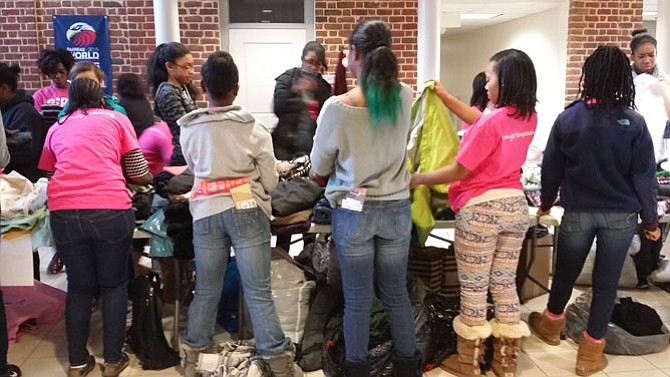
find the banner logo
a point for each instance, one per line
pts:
(86, 37)
(81, 34)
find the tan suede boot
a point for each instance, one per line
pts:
(506, 346)
(590, 357)
(470, 349)
(546, 328)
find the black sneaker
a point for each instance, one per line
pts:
(14, 371)
(642, 285)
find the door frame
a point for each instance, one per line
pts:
(224, 25)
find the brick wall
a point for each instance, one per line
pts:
(335, 19)
(594, 23)
(27, 28)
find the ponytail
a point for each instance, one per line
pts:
(381, 88)
(163, 53)
(379, 77)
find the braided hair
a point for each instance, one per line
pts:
(379, 77)
(607, 79)
(83, 94)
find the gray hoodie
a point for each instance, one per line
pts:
(224, 143)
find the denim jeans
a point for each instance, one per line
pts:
(95, 245)
(372, 247)
(614, 232)
(248, 232)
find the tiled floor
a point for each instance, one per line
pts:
(45, 353)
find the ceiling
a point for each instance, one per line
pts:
(508, 10)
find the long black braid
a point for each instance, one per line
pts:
(83, 94)
(607, 79)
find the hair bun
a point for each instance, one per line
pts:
(639, 31)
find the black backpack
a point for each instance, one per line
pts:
(145, 337)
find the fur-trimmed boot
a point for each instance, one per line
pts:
(546, 328)
(506, 346)
(470, 349)
(590, 357)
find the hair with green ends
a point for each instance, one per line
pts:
(379, 77)
(383, 99)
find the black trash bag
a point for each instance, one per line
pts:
(617, 340)
(381, 356)
(442, 311)
(380, 346)
(146, 337)
(422, 324)
(441, 314)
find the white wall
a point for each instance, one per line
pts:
(542, 36)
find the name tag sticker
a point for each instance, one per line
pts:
(354, 199)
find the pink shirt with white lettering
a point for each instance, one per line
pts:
(85, 154)
(51, 95)
(493, 150)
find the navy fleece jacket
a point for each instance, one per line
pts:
(603, 161)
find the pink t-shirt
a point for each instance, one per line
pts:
(493, 150)
(85, 154)
(50, 94)
(156, 145)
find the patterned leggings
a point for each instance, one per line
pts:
(489, 236)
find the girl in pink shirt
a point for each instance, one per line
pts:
(89, 156)
(55, 64)
(491, 211)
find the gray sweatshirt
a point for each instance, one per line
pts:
(224, 143)
(354, 154)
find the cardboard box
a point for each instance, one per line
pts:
(541, 269)
(16, 259)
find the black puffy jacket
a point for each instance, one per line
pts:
(19, 114)
(294, 133)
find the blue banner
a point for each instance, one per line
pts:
(87, 39)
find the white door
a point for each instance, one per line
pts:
(261, 55)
